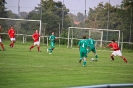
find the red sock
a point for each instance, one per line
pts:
(125, 60)
(31, 47)
(11, 45)
(2, 46)
(38, 48)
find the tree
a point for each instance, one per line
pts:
(50, 12)
(23, 15)
(127, 6)
(80, 16)
(3, 14)
(2, 8)
(119, 18)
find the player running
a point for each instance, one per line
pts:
(1, 44)
(83, 50)
(92, 47)
(11, 33)
(35, 37)
(117, 52)
(52, 43)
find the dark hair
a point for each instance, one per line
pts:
(113, 40)
(84, 36)
(52, 31)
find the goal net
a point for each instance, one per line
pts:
(101, 36)
(24, 28)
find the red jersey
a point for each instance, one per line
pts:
(11, 33)
(36, 36)
(114, 45)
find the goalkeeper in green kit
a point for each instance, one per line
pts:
(52, 43)
(92, 47)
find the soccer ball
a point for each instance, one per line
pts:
(92, 59)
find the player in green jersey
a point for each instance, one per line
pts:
(83, 50)
(52, 43)
(92, 47)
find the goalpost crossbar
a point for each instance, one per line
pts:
(18, 19)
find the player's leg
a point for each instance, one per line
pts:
(51, 48)
(80, 59)
(38, 46)
(95, 54)
(112, 57)
(124, 59)
(13, 41)
(85, 56)
(2, 45)
(32, 46)
(120, 54)
(11, 44)
(114, 53)
(84, 62)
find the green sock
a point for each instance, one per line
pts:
(50, 50)
(84, 63)
(96, 56)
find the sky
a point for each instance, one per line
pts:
(74, 6)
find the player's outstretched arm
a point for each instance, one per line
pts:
(105, 46)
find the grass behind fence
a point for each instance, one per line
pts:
(21, 68)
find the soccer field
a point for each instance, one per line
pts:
(21, 68)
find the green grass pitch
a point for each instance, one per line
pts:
(21, 68)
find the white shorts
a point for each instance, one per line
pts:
(36, 43)
(0, 40)
(117, 53)
(12, 39)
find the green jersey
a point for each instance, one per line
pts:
(83, 48)
(83, 45)
(91, 43)
(52, 38)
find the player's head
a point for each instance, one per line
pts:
(84, 36)
(12, 27)
(113, 40)
(36, 31)
(52, 32)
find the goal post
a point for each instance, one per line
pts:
(18, 22)
(76, 33)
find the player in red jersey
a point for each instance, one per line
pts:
(11, 33)
(35, 37)
(117, 52)
(1, 44)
